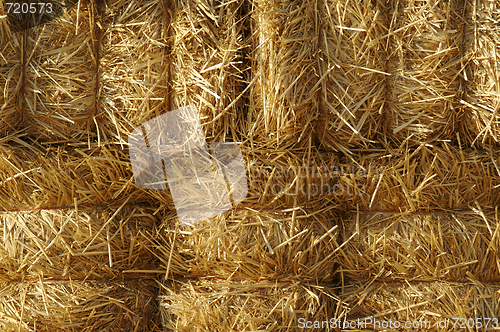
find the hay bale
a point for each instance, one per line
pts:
(133, 81)
(60, 79)
(425, 40)
(443, 246)
(252, 244)
(425, 178)
(11, 84)
(280, 177)
(283, 106)
(34, 177)
(451, 305)
(352, 74)
(429, 177)
(69, 305)
(76, 244)
(95, 75)
(482, 98)
(210, 305)
(205, 64)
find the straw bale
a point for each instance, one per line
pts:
(35, 177)
(48, 306)
(352, 73)
(452, 305)
(442, 246)
(281, 177)
(252, 244)
(283, 106)
(133, 79)
(98, 72)
(76, 243)
(445, 177)
(424, 39)
(206, 65)
(482, 100)
(60, 80)
(11, 88)
(211, 305)
(429, 177)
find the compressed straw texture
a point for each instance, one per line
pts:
(424, 306)
(206, 64)
(251, 244)
(352, 74)
(445, 246)
(77, 306)
(425, 40)
(283, 107)
(78, 244)
(482, 98)
(210, 305)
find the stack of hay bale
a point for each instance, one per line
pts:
(368, 129)
(76, 250)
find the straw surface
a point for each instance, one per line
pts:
(482, 101)
(438, 177)
(11, 85)
(283, 91)
(209, 305)
(424, 40)
(133, 80)
(60, 79)
(428, 177)
(32, 176)
(206, 64)
(352, 70)
(77, 306)
(252, 244)
(425, 305)
(436, 246)
(76, 244)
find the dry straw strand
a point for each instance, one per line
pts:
(425, 40)
(66, 244)
(482, 101)
(210, 305)
(206, 64)
(353, 74)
